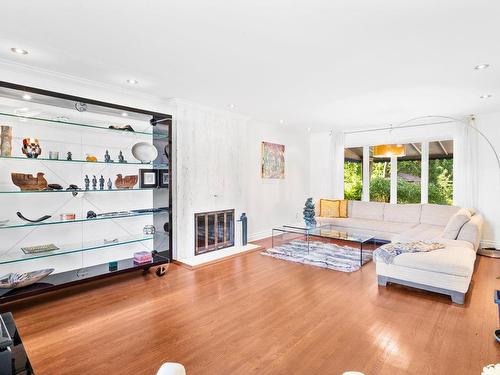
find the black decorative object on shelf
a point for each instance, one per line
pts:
(94, 183)
(87, 182)
(121, 159)
(54, 187)
(69, 156)
(110, 184)
(127, 128)
(39, 220)
(91, 215)
(107, 157)
(148, 178)
(163, 178)
(101, 183)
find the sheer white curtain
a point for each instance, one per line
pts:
(465, 166)
(337, 155)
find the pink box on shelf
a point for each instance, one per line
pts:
(143, 257)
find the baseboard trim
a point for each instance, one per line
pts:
(260, 235)
(490, 243)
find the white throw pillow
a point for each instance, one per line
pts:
(456, 223)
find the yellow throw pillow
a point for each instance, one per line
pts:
(332, 208)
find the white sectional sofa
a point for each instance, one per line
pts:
(448, 271)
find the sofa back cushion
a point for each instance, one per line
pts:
(456, 223)
(367, 210)
(437, 214)
(402, 213)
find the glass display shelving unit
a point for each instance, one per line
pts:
(70, 161)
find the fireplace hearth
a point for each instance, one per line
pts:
(213, 231)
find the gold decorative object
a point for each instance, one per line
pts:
(386, 151)
(127, 182)
(28, 182)
(6, 141)
(91, 158)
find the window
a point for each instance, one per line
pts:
(407, 184)
(353, 173)
(441, 172)
(380, 179)
(410, 174)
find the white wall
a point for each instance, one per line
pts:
(218, 161)
(489, 178)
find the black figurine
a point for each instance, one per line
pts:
(69, 156)
(94, 183)
(87, 182)
(121, 159)
(110, 184)
(91, 215)
(101, 183)
(107, 158)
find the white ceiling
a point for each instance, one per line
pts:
(312, 63)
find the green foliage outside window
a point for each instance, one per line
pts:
(440, 181)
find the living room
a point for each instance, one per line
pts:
(246, 188)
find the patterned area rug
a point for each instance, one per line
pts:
(325, 255)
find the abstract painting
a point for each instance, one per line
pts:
(273, 160)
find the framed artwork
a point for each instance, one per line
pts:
(163, 177)
(148, 178)
(272, 160)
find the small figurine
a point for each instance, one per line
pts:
(107, 157)
(101, 183)
(87, 182)
(110, 184)
(69, 156)
(94, 183)
(121, 159)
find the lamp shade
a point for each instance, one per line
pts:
(386, 151)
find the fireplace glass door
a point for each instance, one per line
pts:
(213, 231)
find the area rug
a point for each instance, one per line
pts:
(321, 254)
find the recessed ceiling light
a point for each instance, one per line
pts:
(308, 129)
(27, 97)
(486, 96)
(481, 66)
(132, 81)
(19, 51)
(231, 106)
(124, 114)
(282, 121)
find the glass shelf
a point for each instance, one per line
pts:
(127, 214)
(19, 256)
(154, 165)
(87, 126)
(75, 191)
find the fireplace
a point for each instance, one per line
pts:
(213, 231)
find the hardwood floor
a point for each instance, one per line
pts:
(258, 315)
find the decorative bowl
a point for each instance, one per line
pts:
(127, 182)
(144, 152)
(28, 182)
(18, 280)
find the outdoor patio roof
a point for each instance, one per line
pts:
(437, 150)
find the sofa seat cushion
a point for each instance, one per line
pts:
(368, 225)
(423, 232)
(457, 258)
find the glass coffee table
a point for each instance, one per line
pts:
(325, 233)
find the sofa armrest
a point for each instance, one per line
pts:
(472, 230)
